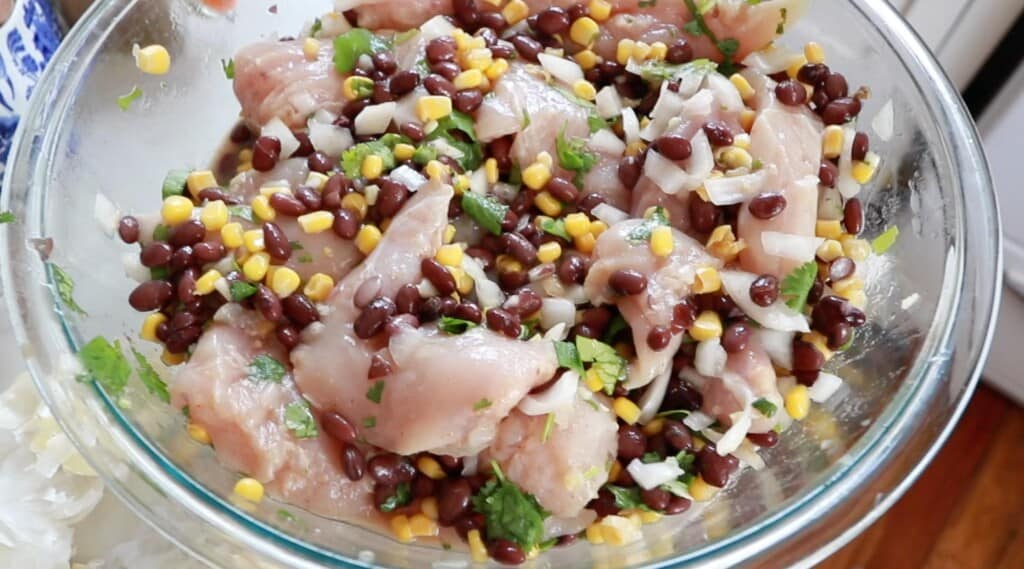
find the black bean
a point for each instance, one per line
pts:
(853, 216)
(468, 100)
(656, 498)
(704, 216)
(150, 295)
(659, 338)
(827, 174)
(511, 280)
(453, 500)
(240, 133)
(268, 303)
(155, 254)
(287, 335)
(128, 229)
(287, 205)
(188, 233)
(182, 258)
(806, 357)
(469, 522)
(265, 153)
(403, 83)
(718, 133)
(767, 205)
(572, 269)
(353, 462)
(379, 367)
(354, 107)
(466, 12)
(506, 552)
(441, 49)
(373, 317)
(677, 505)
(503, 322)
(840, 268)
(217, 194)
(276, 242)
(677, 435)
(209, 251)
(439, 276)
(597, 318)
(300, 310)
(632, 442)
(186, 287)
(309, 198)
(438, 85)
(469, 311)
(447, 70)
(386, 469)
(861, 145)
(305, 146)
(627, 282)
(812, 73)
(841, 111)
(384, 61)
(346, 223)
(587, 203)
(673, 147)
(407, 300)
(715, 469)
(520, 248)
(319, 162)
(682, 395)
(764, 291)
(679, 52)
(503, 50)
(422, 487)
(834, 85)
(818, 101)
(790, 92)
(766, 440)
(391, 198)
(524, 303)
(604, 504)
(839, 335)
(178, 341)
(413, 131)
(629, 171)
(493, 20)
(553, 21)
(684, 314)
(382, 494)
(736, 337)
(527, 47)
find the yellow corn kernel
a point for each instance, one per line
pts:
(584, 31)
(858, 298)
(372, 167)
(214, 215)
(422, 526)
(626, 410)
(478, 58)
(614, 471)
(846, 287)
(735, 157)
(429, 466)
(367, 239)
(600, 10)
(450, 255)
(176, 209)
(701, 490)
(820, 342)
(863, 172)
(355, 202)
(255, 267)
(491, 170)
(316, 180)
(641, 51)
(830, 250)
(650, 517)
(659, 51)
(742, 141)
(597, 227)
(404, 151)
(515, 11)
(316, 222)
(619, 530)
(284, 282)
(462, 39)
(249, 489)
(742, 85)
(198, 433)
(153, 60)
(662, 241)
(577, 224)
(435, 170)
(204, 284)
(170, 359)
(814, 53)
(355, 87)
(549, 252)
(261, 208)
(794, 68)
(586, 59)
(508, 264)
(798, 402)
(707, 326)
(654, 427)
(318, 287)
(449, 234)
(857, 249)
(624, 50)
(271, 190)
(433, 107)
(463, 282)
(828, 228)
(548, 204)
(585, 243)
(585, 90)
(469, 79)
(537, 175)
(429, 507)
(832, 141)
(311, 49)
(200, 180)
(593, 380)
(150, 324)
(232, 235)
(723, 244)
(477, 549)
(253, 240)
(460, 184)
(546, 159)
(707, 280)
(594, 534)
(401, 529)
(496, 69)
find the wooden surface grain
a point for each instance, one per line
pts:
(966, 511)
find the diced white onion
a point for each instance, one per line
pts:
(446, 149)
(830, 204)
(671, 178)
(653, 474)
(405, 112)
(329, 139)
(556, 333)
(668, 106)
(699, 106)
(555, 311)
(370, 193)
(555, 526)
(106, 214)
(630, 125)
(796, 247)
(488, 293)
(565, 70)
(776, 316)
(609, 104)
(698, 421)
(408, 177)
(605, 142)
(910, 301)
(710, 358)
(653, 397)
(726, 94)
(747, 452)
(772, 59)
(279, 130)
(427, 288)
(322, 116)
(333, 25)
(609, 214)
(223, 287)
(375, 119)
(302, 102)
(470, 464)
(134, 269)
(824, 387)
(541, 271)
(733, 437)
(558, 396)
(846, 184)
(778, 345)
(478, 182)
(736, 189)
(438, 26)
(884, 122)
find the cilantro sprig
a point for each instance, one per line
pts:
(265, 368)
(698, 27)
(574, 156)
(353, 44)
(510, 513)
(105, 364)
(642, 233)
(299, 419)
(149, 378)
(605, 362)
(458, 130)
(352, 159)
(488, 212)
(66, 288)
(797, 285)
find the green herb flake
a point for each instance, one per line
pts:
(241, 290)
(405, 36)
(286, 516)
(654, 71)
(351, 45)
(676, 488)
(482, 404)
(454, 326)
(509, 512)
(617, 325)
(549, 426)
(765, 407)
(401, 497)
(457, 129)
(885, 241)
(596, 123)
(783, 16)
(265, 368)
(242, 211)
(647, 3)
(186, 412)
(228, 65)
(352, 159)
(125, 101)
(488, 212)
(555, 227)
(609, 366)
(161, 233)
(627, 498)
(317, 26)
(106, 365)
(298, 417)
(376, 392)
(174, 183)
(305, 258)
(569, 356)
(642, 233)
(650, 457)
(797, 285)
(66, 288)
(574, 156)
(6, 217)
(370, 422)
(424, 154)
(149, 378)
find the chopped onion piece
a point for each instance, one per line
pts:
(726, 94)
(408, 177)
(223, 287)
(778, 345)
(910, 301)
(669, 105)
(609, 104)
(329, 139)
(884, 122)
(824, 387)
(710, 358)
(736, 189)
(733, 437)
(796, 247)
(279, 130)
(322, 116)
(446, 149)
(436, 27)
(556, 397)
(630, 125)
(478, 182)
(609, 214)
(698, 107)
(830, 204)
(698, 421)
(772, 59)
(470, 464)
(653, 474)
(565, 70)
(671, 178)
(776, 316)
(747, 452)
(846, 184)
(487, 291)
(557, 311)
(106, 214)
(653, 397)
(134, 269)
(605, 142)
(375, 119)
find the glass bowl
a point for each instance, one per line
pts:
(910, 376)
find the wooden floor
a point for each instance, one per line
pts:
(966, 511)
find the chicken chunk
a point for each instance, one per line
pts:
(749, 376)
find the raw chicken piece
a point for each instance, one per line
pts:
(274, 79)
(564, 472)
(603, 179)
(428, 401)
(790, 140)
(244, 418)
(668, 281)
(749, 376)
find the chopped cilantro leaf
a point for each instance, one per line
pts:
(454, 326)
(376, 392)
(242, 211)
(370, 422)
(305, 258)
(783, 15)
(767, 408)
(352, 159)
(401, 497)
(596, 123)
(299, 419)
(509, 512)
(265, 368)
(549, 425)
(295, 246)
(609, 366)
(105, 364)
(618, 324)
(685, 460)
(149, 378)
(568, 356)
(126, 100)
(351, 45)
(458, 131)
(286, 516)
(482, 404)
(654, 70)
(555, 227)
(627, 498)
(676, 488)
(6, 217)
(174, 183)
(66, 288)
(798, 283)
(885, 241)
(228, 65)
(650, 457)
(573, 155)
(424, 154)
(241, 290)
(485, 210)
(317, 26)
(642, 233)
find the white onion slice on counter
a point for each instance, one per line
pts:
(408, 177)
(736, 189)
(653, 397)
(776, 316)
(375, 119)
(605, 142)
(609, 103)
(845, 183)
(653, 474)
(279, 130)
(778, 345)
(710, 358)
(329, 139)
(609, 214)
(558, 396)
(884, 122)
(630, 125)
(772, 59)
(106, 215)
(698, 421)
(565, 70)
(555, 311)
(487, 291)
(824, 387)
(791, 246)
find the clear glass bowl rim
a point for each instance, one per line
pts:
(973, 291)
